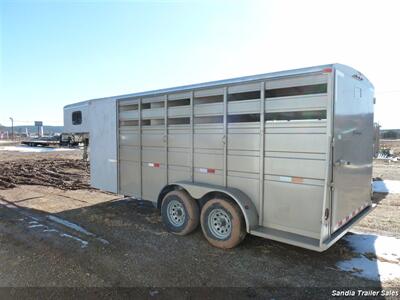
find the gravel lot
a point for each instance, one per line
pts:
(54, 235)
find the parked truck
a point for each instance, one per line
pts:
(44, 141)
(286, 156)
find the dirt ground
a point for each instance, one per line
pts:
(53, 234)
(386, 169)
(392, 144)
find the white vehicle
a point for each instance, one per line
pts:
(285, 156)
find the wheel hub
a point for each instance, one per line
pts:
(219, 223)
(176, 213)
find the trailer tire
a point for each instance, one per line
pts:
(180, 212)
(222, 223)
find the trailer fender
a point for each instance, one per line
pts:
(199, 190)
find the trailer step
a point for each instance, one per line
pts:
(287, 237)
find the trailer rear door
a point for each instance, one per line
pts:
(353, 146)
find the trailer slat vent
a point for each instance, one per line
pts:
(145, 106)
(297, 90)
(128, 107)
(296, 115)
(152, 105)
(209, 99)
(153, 122)
(244, 96)
(208, 120)
(178, 121)
(244, 118)
(129, 123)
(180, 102)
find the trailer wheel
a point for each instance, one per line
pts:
(180, 212)
(222, 223)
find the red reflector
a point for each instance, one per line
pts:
(156, 165)
(212, 171)
(327, 70)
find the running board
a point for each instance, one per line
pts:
(287, 237)
(308, 242)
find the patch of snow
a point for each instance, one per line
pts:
(84, 244)
(386, 186)
(379, 257)
(70, 225)
(76, 227)
(103, 241)
(22, 148)
(36, 225)
(50, 230)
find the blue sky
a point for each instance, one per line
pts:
(55, 53)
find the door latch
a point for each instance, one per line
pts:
(342, 162)
(224, 139)
(326, 214)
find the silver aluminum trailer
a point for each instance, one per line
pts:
(285, 156)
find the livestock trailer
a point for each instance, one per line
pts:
(286, 156)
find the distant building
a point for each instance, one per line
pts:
(390, 134)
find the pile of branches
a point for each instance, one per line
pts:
(65, 174)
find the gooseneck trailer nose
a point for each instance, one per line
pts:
(285, 155)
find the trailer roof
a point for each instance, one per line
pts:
(218, 83)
